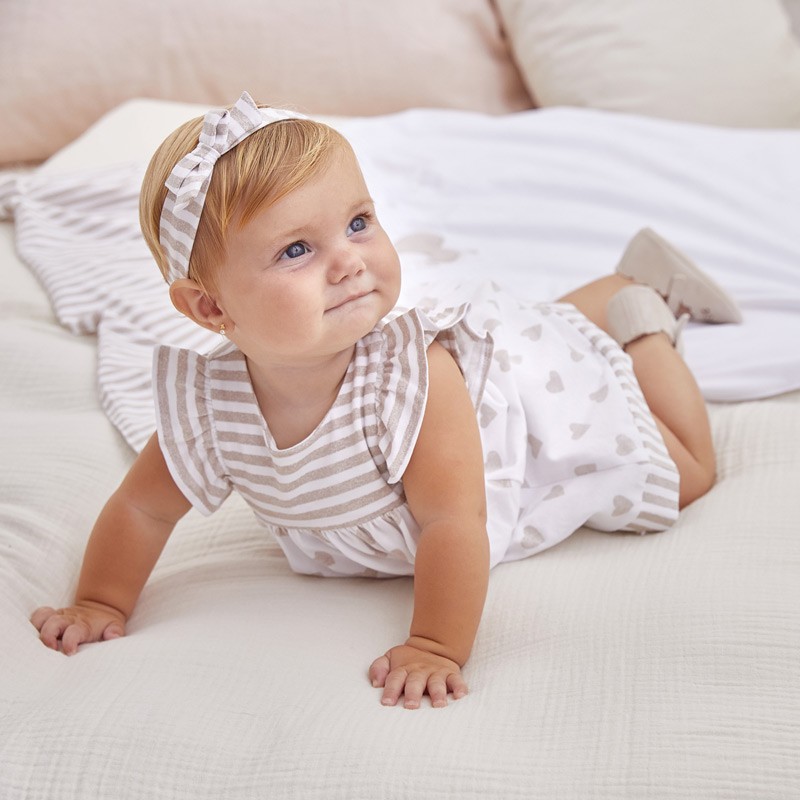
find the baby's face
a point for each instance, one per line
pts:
(311, 274)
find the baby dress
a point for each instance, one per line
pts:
(567, 438)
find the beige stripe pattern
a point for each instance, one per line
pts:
(346, 473)
(189, 180)
(80, 235)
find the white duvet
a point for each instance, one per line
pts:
(608, 667)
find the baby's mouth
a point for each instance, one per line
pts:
(350, 299)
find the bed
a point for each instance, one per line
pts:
(611, 666)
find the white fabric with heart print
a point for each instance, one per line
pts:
(567, 437)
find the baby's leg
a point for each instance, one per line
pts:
(669, 389)
(592, 299)
(679, 410)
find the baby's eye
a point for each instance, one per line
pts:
(357, 224)
(295, 250)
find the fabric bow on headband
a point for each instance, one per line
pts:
(188, 182)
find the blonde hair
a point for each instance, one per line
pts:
(259, 171)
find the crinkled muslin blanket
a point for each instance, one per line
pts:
(610, 667)
(538, 203)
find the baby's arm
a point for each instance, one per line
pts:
(125, 544)
(444, 486)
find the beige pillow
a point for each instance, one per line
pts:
(65, 62)
(721, 62)
(793, 10)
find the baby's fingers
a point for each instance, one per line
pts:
(393, 687)
(41, 615)
(439, 684)
(51, 624)
(437, 690)
(379, 670)
(51, 627)
(73, 628)
(457, 685)
(81, 632)
(75, 634)
(113, 631)
(415, 684)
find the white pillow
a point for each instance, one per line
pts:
(66, 62)
(720, 62)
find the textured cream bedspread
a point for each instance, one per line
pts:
(609, 667)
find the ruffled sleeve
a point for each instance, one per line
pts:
(185, 424)
(402, 389)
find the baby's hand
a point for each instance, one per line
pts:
(83, 622)
(409, 670)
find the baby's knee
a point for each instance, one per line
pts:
(696, 482)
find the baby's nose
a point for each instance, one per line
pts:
(346, 261)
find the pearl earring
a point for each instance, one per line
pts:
(222, 330)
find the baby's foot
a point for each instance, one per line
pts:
(653, 261)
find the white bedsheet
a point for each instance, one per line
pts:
(610, 667)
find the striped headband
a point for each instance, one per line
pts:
(188, 182)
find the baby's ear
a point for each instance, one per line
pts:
(194, 302)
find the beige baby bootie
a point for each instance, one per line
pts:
(653, 261)
(637, 311)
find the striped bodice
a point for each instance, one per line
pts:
(346, 473)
